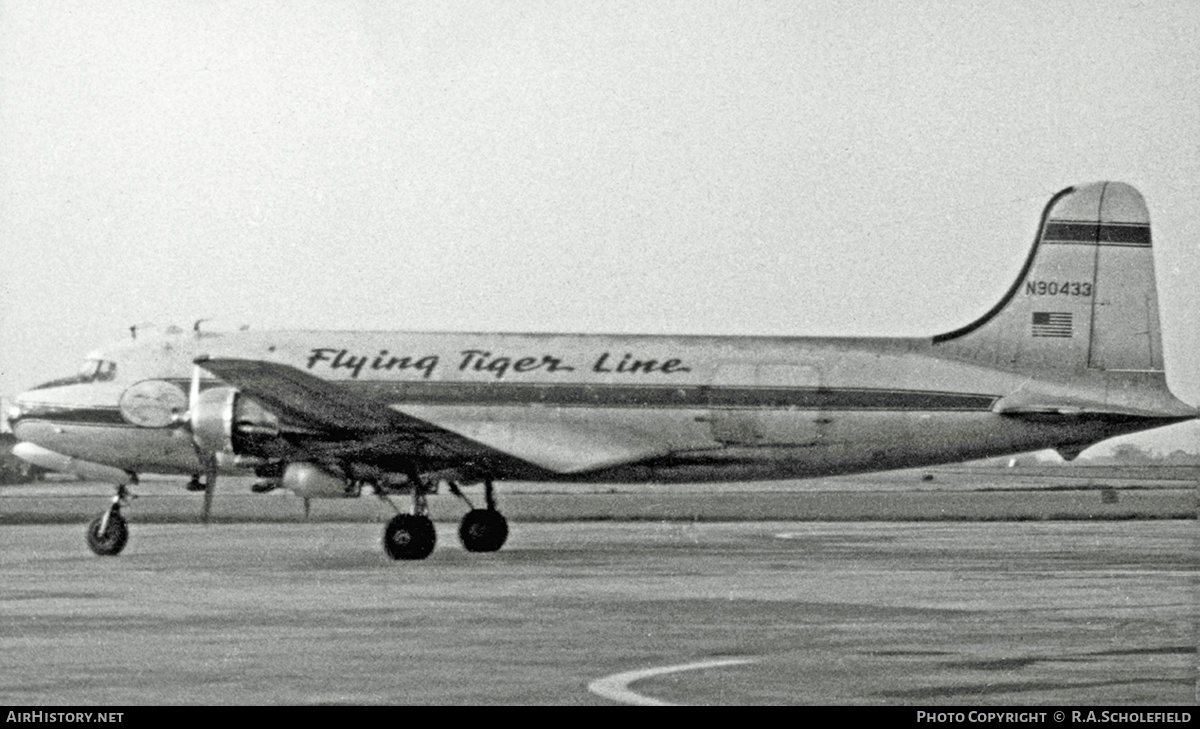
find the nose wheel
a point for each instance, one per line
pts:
(108, 533)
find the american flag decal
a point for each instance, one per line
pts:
(1052, 324)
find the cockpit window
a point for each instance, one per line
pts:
(93, 370)
(98, 370)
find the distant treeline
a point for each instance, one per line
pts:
(1125, 454)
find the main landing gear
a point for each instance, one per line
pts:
(108, 533)
(409, 536)
(412, 536)
(482, 530)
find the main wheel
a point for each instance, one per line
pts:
(409, 537)
(483, 530)
(112, 541)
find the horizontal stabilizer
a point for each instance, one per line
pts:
(1149, 405)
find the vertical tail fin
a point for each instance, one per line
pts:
(1086, 297)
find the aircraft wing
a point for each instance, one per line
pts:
(360, 425)
(302, 399)
(562, 447)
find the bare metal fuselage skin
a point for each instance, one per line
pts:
(689, 408)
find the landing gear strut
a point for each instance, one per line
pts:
(108, 533)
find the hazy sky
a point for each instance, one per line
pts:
(858, 168)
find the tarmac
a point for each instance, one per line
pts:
(952, 591)
(944, 494)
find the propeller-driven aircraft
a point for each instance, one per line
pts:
(1069, 356)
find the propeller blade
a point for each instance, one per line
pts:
(193, 396)
(208, 461)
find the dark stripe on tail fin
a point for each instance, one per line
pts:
(1097, 234)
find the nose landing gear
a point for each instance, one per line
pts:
(108, 533)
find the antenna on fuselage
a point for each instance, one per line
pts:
(220, 328)
(133, 330)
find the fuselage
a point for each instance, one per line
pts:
(692, 408)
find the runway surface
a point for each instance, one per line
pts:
(970, 494)
(961, 613)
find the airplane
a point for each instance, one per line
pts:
(1069, 356)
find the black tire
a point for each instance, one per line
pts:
(113, 540)
(409, 537)
(483, 530)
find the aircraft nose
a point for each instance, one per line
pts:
(24, 409)
(17, 411)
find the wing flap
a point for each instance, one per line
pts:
(559, 447)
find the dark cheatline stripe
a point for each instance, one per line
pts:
(77, 415)
(666, 396)
(846, 399)
(1126, 234)
(695, 397)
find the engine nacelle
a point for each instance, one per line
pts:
(313, 482)
(225, 421)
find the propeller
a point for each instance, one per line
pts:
(207, 457)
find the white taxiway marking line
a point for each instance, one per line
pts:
(616, 686)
